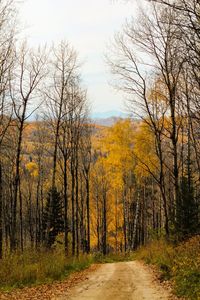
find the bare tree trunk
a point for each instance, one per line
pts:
(104, 223)
(77, 204)
(116, 223)
(88, 211)
(135, 221)
(37, 219)
(1, 213)
(13, 238)
(73, 205)
(98, 223)
(21, 219)
(125, 219)
(66, 229)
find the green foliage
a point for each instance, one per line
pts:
(53, 218)
(188, 210)
(32, 268)
(179, 263)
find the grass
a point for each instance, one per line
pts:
(32, 268)
(180, 264)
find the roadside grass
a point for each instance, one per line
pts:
(33, 268)
(180, 264)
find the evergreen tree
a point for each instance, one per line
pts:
(53, 217)
(188, 210)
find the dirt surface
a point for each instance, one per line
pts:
(119, 281)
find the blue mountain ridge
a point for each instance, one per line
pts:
(109, 114)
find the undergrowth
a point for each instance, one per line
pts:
(180, 264)
(32, 268)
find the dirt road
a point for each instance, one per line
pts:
(119, 281)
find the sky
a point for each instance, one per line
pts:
(89, 26)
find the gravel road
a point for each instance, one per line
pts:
(119, 281)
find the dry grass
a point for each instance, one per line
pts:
(31, 268)
(180, 264)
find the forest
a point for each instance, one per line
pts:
(70, 184)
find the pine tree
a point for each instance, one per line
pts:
(188, 214)
(53, 217)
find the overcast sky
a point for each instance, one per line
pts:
(88, 25)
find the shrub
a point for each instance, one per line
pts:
(179, 263)
(30, 268)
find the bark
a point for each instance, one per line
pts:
(1, 212)
(66, 229)
(88, 211)
(77, 205)
(104, 223)
(73, 206)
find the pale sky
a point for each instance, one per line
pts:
(88, 25)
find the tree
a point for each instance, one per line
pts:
(28, 74)
(161, 40)
(53, 216)
(86, 161)
(58, 101)
(7, 33)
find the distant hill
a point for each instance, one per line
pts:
(109, 114)
(108, 118)
(106, 121)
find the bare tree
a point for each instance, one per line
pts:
(7, 41)
(27, 76)
(86, 161)
(159, 39)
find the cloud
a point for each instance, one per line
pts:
(87, 25)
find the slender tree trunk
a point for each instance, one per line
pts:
(104, 236)
(73, 205)
(82, 229)
(53, 183)
(135, 221)
(66, 207)
(116, 223)
(1, 213)
(173, 138)
(125, 220)
(21, 219)
(77, 206)
(88, 211)
(98, 223)
(37, 219)
(13, 238)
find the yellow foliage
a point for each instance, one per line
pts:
(32, 168)
(115, 160)
(144, 151)
(119, 148)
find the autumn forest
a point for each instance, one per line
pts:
(67, 183)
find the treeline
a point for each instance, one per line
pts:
(44, 165)
(156, 62)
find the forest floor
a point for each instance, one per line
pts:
(113, 281)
